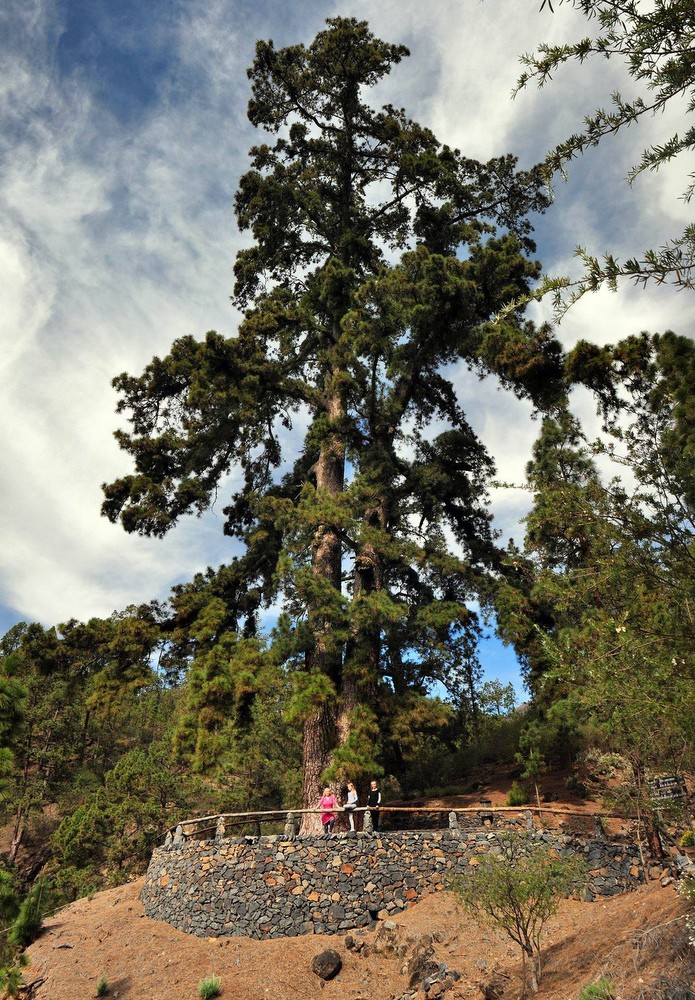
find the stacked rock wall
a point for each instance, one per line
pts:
(280, 887)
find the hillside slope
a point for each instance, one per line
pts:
(637, 939)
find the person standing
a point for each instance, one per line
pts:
(328, 803)
(373, 803)
(351, 803)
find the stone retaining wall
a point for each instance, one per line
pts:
(280, 887)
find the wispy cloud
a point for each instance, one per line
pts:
(121, 143)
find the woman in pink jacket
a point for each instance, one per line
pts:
(328, 803)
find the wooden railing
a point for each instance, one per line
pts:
(219, 822)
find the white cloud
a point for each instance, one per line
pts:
(118, 236)
(113, 246)
(23, 310)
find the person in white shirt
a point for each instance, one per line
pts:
(351, 803)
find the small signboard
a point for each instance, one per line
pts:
(668, 788)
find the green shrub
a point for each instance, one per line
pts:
(209, 988)
(102, 987)
(688, 839)
(602, 765)
(72, 883)
(518, 795)
(573, 784)
(517, 891)
(602, 989)
(9, 900)
(27, 924)
(12, 978)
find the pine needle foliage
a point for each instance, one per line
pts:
(379, 257)
(654, 40)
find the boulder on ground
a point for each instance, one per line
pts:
(327, 964)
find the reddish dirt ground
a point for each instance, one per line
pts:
(109, 936)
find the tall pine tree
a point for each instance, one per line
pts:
(600, 604)
(379, 258)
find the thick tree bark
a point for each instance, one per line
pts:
(362, 667)
(318, 741)
(319, 737)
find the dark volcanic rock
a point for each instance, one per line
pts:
(314, 886)
(327, 964)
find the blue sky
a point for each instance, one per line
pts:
(122, 136)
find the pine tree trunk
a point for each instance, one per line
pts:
(17, 833)
(324, 655)
(362, 667)
(318, 741)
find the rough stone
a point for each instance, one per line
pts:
(276, 888)
(327, 964)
